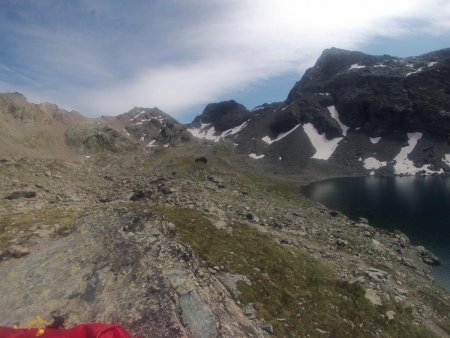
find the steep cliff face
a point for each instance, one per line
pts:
(352, 113)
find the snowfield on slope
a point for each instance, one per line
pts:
(404, 166)
(324, 147)
(206, 132)
(373, 163)
(335, 115)
(268, 140)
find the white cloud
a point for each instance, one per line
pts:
(238, 43)
(251, 40)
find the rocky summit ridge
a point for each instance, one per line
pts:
(175, 230)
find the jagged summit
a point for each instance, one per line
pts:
(223, 115)
(153, 128)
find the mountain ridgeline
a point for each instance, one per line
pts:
(351, 113)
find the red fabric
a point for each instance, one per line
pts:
(81, 331)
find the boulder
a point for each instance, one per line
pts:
(363, 220)
(201, 160)
(341, 242)
(268, 328)
(138, 195)
(20, 194)
(427, 256)
(17, 251)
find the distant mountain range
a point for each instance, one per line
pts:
(350, 114)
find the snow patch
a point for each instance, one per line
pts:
(256, 157)
(324, 94)
(268, 140)
(334, 114)
(373, 163)
(375, 140)
(234, 130)
(404, 166)
(209, 133)
(446, 159)
(380, 66)
(126, 132)
(134, 118)
(151, 144)
(205, 132)
(356, 66)
(324, 147)
(416, 71)
(430, 64)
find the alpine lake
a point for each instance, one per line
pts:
(417, 206)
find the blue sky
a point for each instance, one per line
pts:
(103, 57)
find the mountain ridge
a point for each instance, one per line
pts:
(345, 104)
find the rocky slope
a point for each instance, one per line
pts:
(36, 130)
(47, 131)
(169, 246)
(153, 128)
(350, 114)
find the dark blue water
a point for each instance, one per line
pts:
(417, 206)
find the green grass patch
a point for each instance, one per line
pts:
(294, 292)
(62, 219)
(435, 301)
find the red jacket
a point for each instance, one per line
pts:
(81, 331)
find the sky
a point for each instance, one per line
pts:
(104, 57)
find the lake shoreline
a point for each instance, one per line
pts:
(352, 208)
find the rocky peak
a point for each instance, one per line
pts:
(223, 115)
(153, 128)
(335, 60)
(138, 115)
(379, 94)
